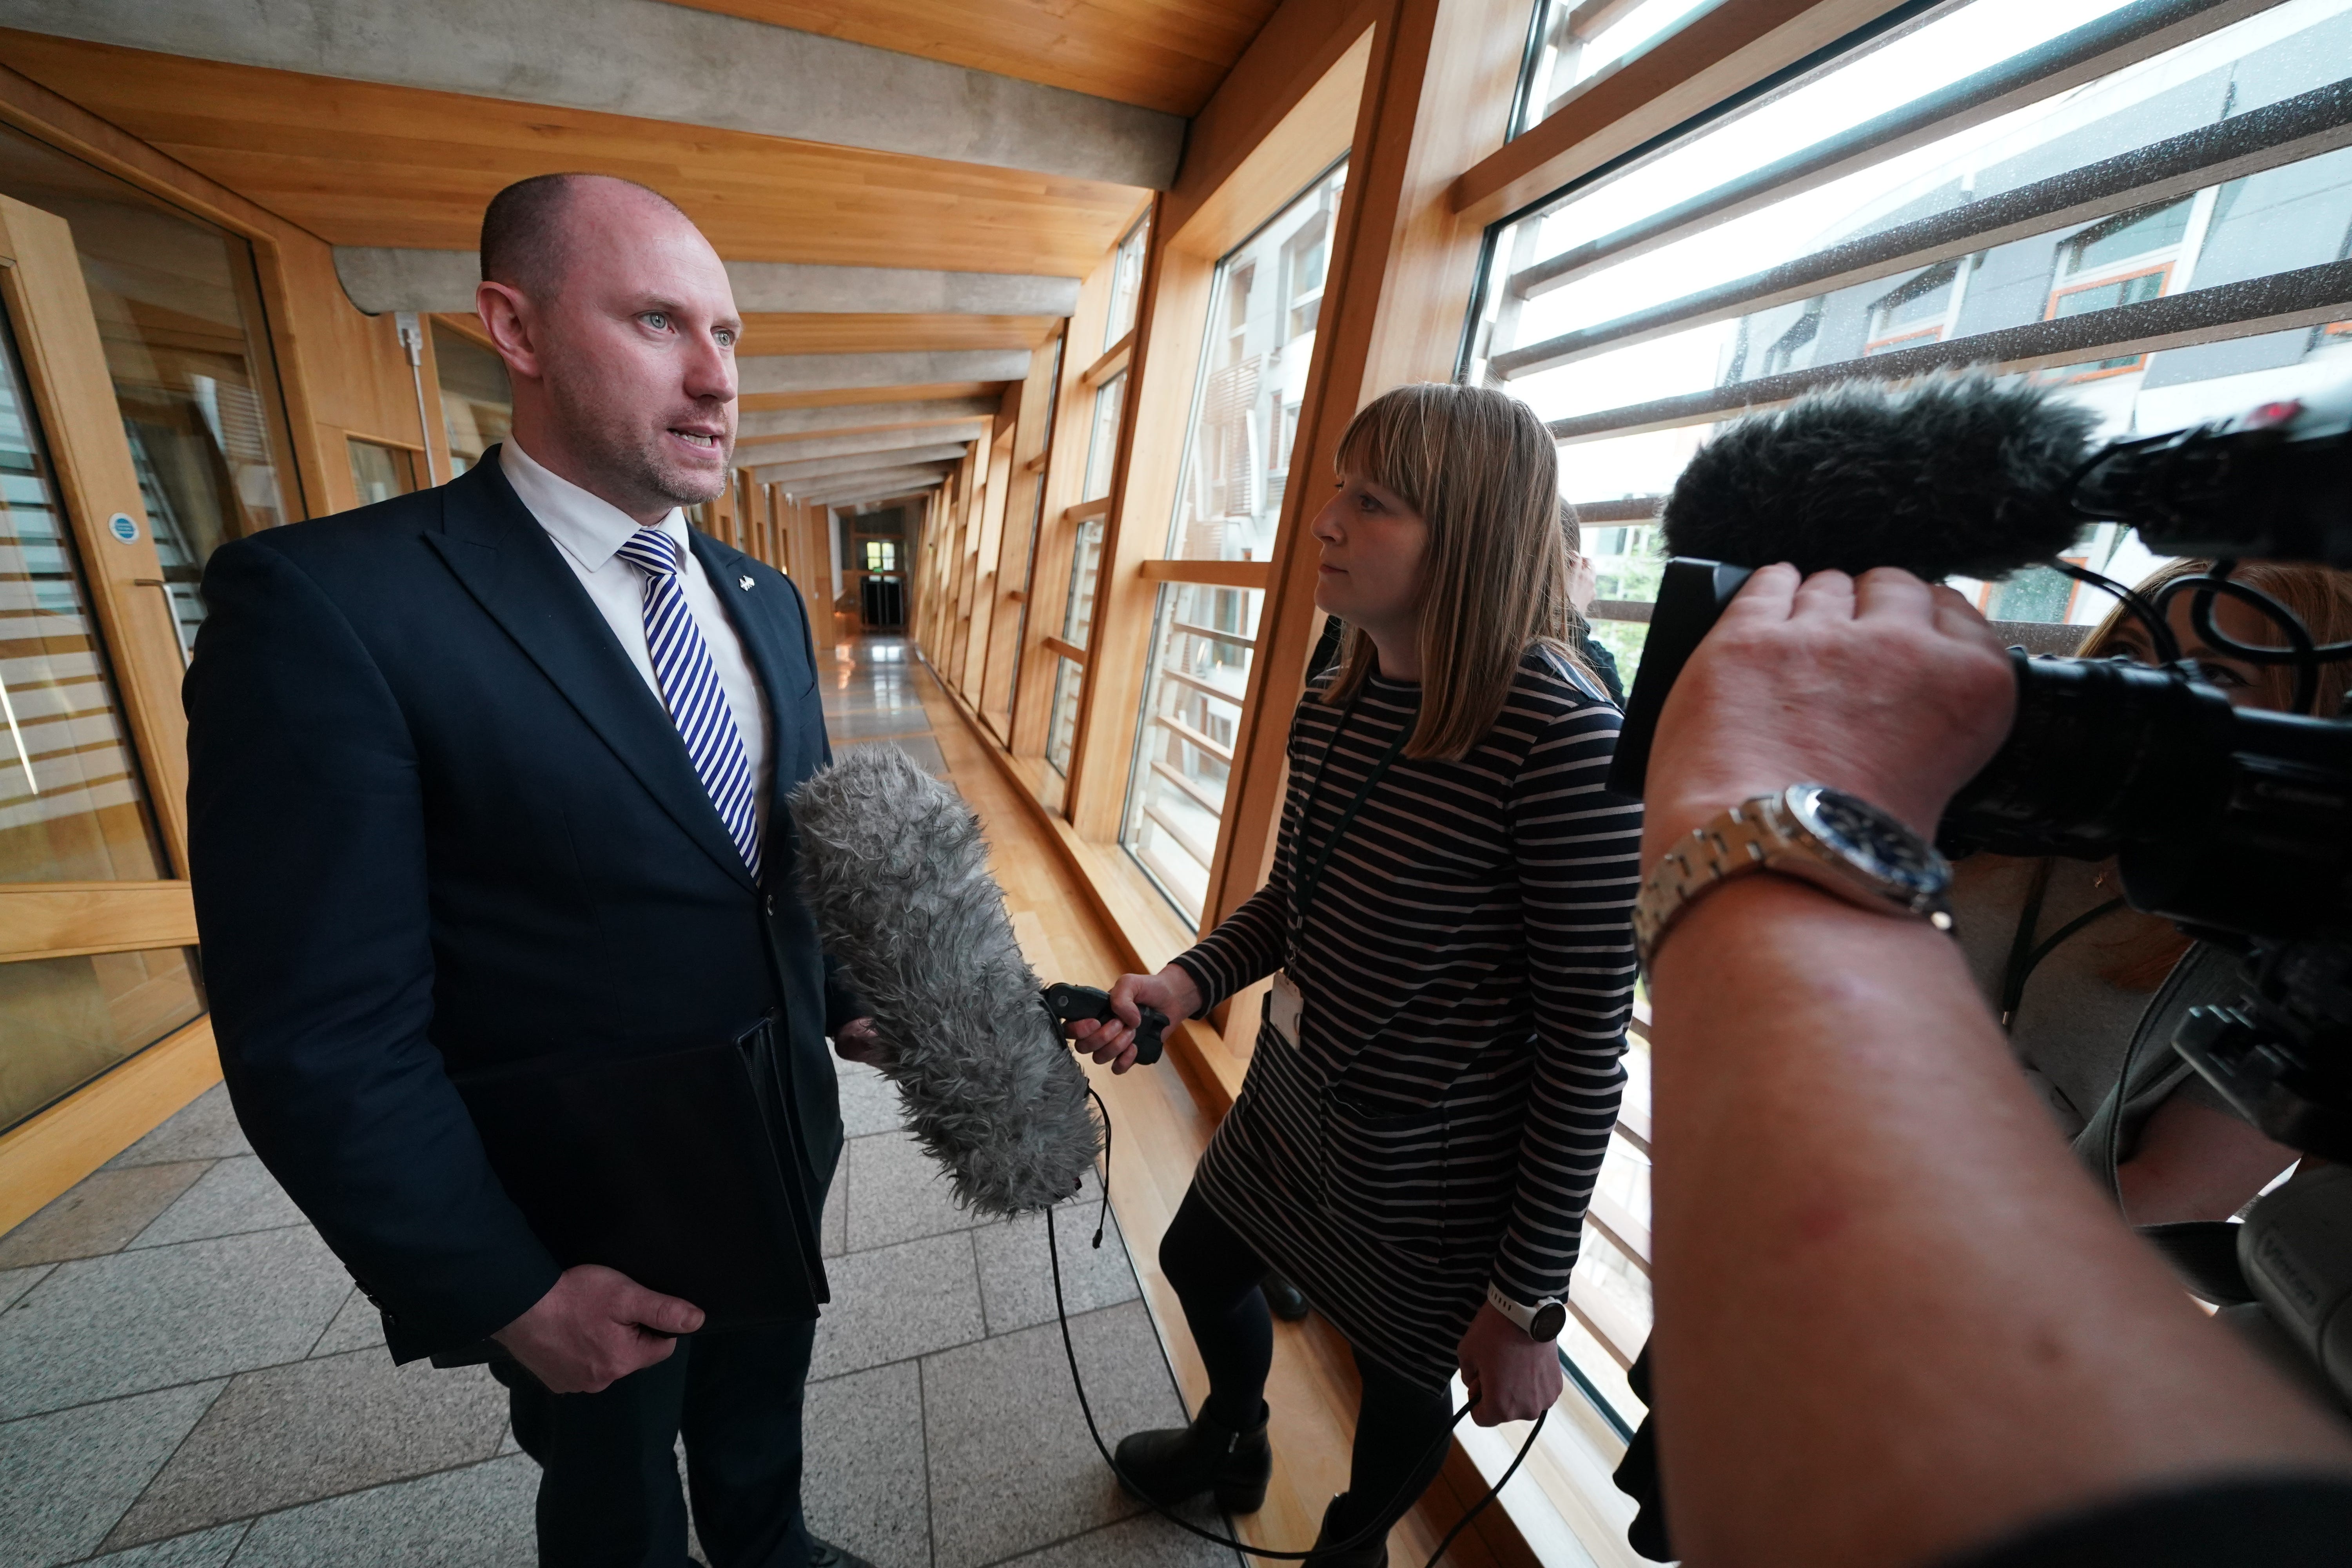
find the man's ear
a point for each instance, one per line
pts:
(512, 323)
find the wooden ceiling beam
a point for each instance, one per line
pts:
(1144, 52)
(360, 164)
(653, 61)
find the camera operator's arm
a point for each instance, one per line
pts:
(1894, 1317)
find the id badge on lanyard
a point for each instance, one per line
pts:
(1283, 1007)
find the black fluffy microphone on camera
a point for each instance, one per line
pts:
(2235, 823)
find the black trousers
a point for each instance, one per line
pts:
(1216, 1276)
(608, 1493)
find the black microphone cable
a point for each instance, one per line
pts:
(1364, 1537)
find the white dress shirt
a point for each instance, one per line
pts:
(588, 530)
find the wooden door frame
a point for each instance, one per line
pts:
(97, 489)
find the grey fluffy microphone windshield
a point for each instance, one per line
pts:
(1955, 475)
(894, 869)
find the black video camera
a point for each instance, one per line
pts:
(2235, 824)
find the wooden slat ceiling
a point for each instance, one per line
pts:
(1162, 53)
(362, 163)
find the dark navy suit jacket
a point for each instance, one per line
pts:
(439, 822)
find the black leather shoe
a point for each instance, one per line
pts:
(1373, 1554)
(1176, 1465)
(1288, 1301)
(824, 1554)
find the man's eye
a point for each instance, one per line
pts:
(726, 339)
(657, 320)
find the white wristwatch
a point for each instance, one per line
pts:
(1542, 1322)
(1834, 840)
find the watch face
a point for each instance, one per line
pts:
(1545, 1325)
(1871, 838)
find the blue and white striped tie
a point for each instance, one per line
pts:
(689, 685)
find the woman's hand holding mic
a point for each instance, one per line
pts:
(1112, 1041)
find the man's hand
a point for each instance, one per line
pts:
(1112, 1040)
(1880, 686)
(1510, 1376)
(593, 1328)
(859, 1041)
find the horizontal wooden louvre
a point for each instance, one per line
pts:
(59, 919)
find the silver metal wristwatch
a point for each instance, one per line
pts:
(1834, 840)
(1542, 1322)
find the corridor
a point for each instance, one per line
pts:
(189, 1380)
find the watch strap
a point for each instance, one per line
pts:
(1760, 833)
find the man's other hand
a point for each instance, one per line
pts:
(593, 1328)
(860, 1041)
(1880, 686)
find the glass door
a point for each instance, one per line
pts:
(97, 928)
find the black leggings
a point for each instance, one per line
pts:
(1216, 1275)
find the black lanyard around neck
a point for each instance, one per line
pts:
(1308, 876)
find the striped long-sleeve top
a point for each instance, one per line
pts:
(1466, 965)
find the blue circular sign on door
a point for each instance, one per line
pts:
(124, 526)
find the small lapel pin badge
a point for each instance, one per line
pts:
(744, 584)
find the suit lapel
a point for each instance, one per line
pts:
(517, 574)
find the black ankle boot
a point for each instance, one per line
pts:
(1178, 1464)
(1373, 1554)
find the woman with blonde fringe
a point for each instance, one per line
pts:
(1446, 922)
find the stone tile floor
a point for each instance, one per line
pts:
(189, 1380)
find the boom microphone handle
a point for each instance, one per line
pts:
(1071, 1003)
(1691, 595)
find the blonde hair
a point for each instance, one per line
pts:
(1483, 472)
(2320, 597)
(2145, 950)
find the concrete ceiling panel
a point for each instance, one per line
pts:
(830, 372)
(385, 277)
(656, 61)
(881, 482)
(788, 474)
(770, 454)
(770, 422)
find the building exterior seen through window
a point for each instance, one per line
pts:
(476, 402)
(73, 805)
(1778, 247)
(1263, 306)
(179, 313)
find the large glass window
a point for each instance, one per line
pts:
(1127, 281)
(1086, 567)
(179, 310)
(1864, 219)
(1264, 305)
(73, 807)
(2034, 186)
(476, 402)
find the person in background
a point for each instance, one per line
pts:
(2089, 991)
(1583, 585)
(1438, 1073)
(1894, 1325)
(493, 774)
